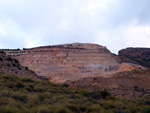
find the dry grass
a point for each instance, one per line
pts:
(21, 95)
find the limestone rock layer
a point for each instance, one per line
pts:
(71, 61)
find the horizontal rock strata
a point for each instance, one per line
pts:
(70, 61)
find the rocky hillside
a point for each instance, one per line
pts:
(71, 61)
(124, 84)
(87, 66)
(11, 66)
(136, 55)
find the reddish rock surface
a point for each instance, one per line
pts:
(71, 61)
(136, 55)
(123, 84)
(87, 66)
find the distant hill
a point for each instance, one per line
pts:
(137, 55)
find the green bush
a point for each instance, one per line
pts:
(146, 110)
(104, 93)
(19, 96)
(45, 109)
(19, 85)
(73, 108)
(7, 109)
(63, 110)
(94, 109)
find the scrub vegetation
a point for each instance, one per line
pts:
(24, 95)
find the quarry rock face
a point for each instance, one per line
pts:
(136, 55)
(71, 62)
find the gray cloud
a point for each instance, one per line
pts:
(115, 24)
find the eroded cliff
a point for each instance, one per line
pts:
(72, 62)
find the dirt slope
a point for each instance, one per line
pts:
(124, 84)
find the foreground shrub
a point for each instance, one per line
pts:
(63, 110)
(22, 95)
(146, 110)
(73, 108)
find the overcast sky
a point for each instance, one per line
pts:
(115, 24)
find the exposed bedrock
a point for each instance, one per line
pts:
(10, 66)
(136, 55)
(72, 61)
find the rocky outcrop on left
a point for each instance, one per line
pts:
(10, 66)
